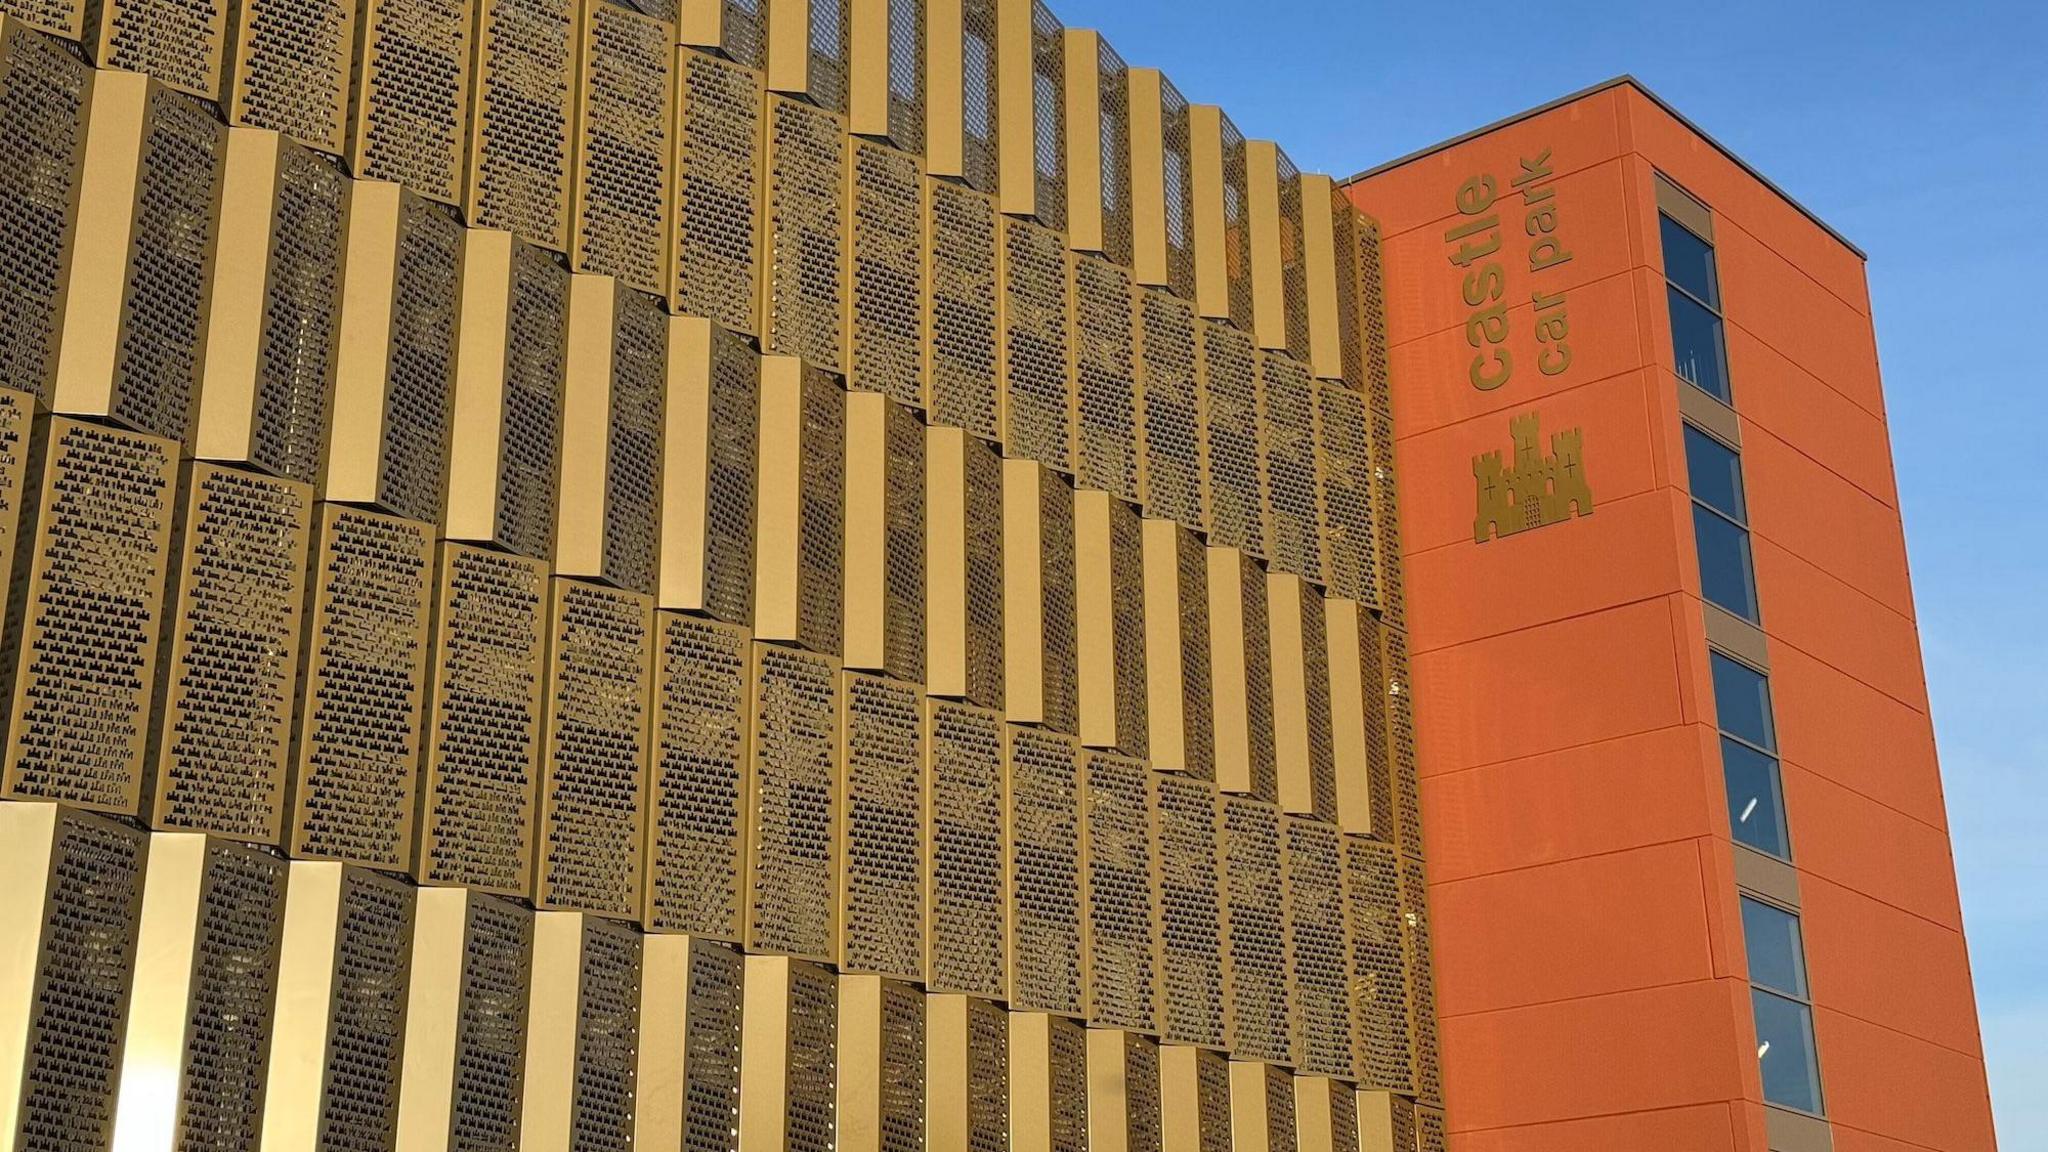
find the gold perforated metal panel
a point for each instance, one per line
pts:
(696, 846)
(1257, 1022)
(1346, 228)
(1114, 139)
(365, 1013)
(881, 1066)
(803, 233)
(885, 272)
(1315, 682)
(793, 815)
(593, 785)
(521, 132)
(1287, 466)
(1351, 566)
(1105, 382)
(85, 613)
(291, 68)
(711, 1053)
(68, 19)
(711, 450)
(1429, 1087)
(1378, 973)
(484, 721)
(885, 538)
(1233, 508)
(530, 440)
(624, 109)
(980, 125)
(1241, 675)
(44, 93)
(69, 912)
(881, 843)
(1058, 651)
(1400, 733)
(411, 95)
(961, 308)
(787, 1095)
(736, 29)
(1110, 602)
(1197, 691)
(1180, 190)
(964, 862)
(799, 590)
(718, 190)
(967, 1073)
(633, 450)
(224, 733)
(607, 1034)
(1043, 793)
(1194, 1099)
(1293, 258)
(300, 316)
(465, 1021)
(1319, 949)
(1190, 913)
(1123, 1092)
(1067, 1085)
(1169, 436)
(1237, 225)
(967, 558)
(1431, 1135)
(1034, 345)
(1048, 116)
(896, 85)
(1123, 930)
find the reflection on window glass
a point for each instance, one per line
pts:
(1784, 1047)
(1777, 960)
(1756, 816)
(1689, 262)
(1725, 571)
(1696, 348)
(1714, 473)
(1742, 702)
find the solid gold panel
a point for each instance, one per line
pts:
(410, 101)
(69, 914)
(1105, 390)
(885, 266)
(1109, 597)
(1241, 674)
(809, 42)
(1048, 1083)
(1265, 234)
(1039, 651)
(510, 372)
(708, 488)
(1169, 430)
(1386, 1122)
(1082, 52)
(1306, 778)
(1429, 1088)
(1146, 92)
(1350, 563)
(45, 94)
(577, 1089)
(880, 1105)
(625, 106)
(1325, 1115)
(272, 307)
(88, 613)
(1123, 1092)
(885, 526)
(960, 310)
(718, 188)
(966, 553)
(465, 1022)
(1191, 988)
(1356, 726)
(967, 1074)
(1257, 1016)
(963, 868)
(1035, 410)
(881, 846)
(1261, 1108)
(292, 66)
(223, 735)
(1042, 791)
(487, 682)
(888, 90)
(803, 232)
(1209, 213)
(1319, 949)
(1402, 789)
(1379, 965)
(1319, 260)
(1287, 467)
(609, 497)
(353, 786)
(789, 1057)
(1119, 871)
(1180, 731)
(593, 782)
(148, 210)
(394, 371)
(337, 1042)
(733, 28)
(1014, 109)
(697, 804)
(1194, 1097)
(800, 516)
(687, 1084)
(521, 123)
(1233, 502)
(206, 978)
(794, 806)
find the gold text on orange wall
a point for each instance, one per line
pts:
(1477, 241)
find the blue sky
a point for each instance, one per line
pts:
(1922, 135)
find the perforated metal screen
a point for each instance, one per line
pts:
(1123, 934)
(1351, 566)
(233, 991)
(521, 137)
(1034, 345)
(696, 843)
(290, 70)
(1169, 438)
(1105, 379)
(794, 804)
(490, 1030)
(965, 873)
(1233, 509)
(1237, 223)
(980, 144)
(1198, 719)
(607, 1038)
(1401, 742)
(1257, 1021)
(732, 478)
(1378, 966)
(1190, 914)
(885, 273)
(366, 1020)
(43, 97)
(882, 851)
(1044, 795)
(1286, 424)
(1056, 602)
(1429, 1088)
(411, 95)
(803, 233)
(301, 310)
(1293, 258)
(985, 635)
(1127, 606)
(412, 474)
(1113, 78)
(633, 452)
(1319, 949)
(711, 1054)
(178, 42)
(623, 151)
(718, 191)
(1049, 116)
(1180, 190)
(960, 309)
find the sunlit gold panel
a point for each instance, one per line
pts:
(45, 96)
(1190, 893)
(1048, 1083)
(1261, 1108)
(577, 1090)
(465, 1022)
(1386, 1122)
(1120, 861)
(1194, 1098)
(966, 554)
(1034, 343)
(1325, 1115)
(735, 29)
(1321, 260)
(799, 584)
(882, 1063)
(1319, 949)
(718, 187)
(1303, 751)
(967, 1073)
(885, 267)
(963, 119)
(794, 806)
(887, 90)
(962, 234)
(292, 66)
(1042, 789)
(1123, 1092)
(885, 526)
(789, 1057)
(1257, 1016)
(803, 232)
(711, 450)
(1241, 674)
(1105, 389)
(965, 860)
(625, 102)
(1040, 679)
(881, 891)
(1097, 115)
(410, 100)
(687, 1084)
(809, 42)
(521, 122)
(1357, 726)
(1266, 234)
(1180, 733)
(609, 498)
(1109, 597)
(697, 783)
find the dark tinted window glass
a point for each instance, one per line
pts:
(1696, 348)
(1742, 701)
(1724, 562)
(1689, 261)
(1776, 960)
(1755, 815)
(1784, 1046)
(1714, 472)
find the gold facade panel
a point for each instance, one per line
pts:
(887, 90)
(1194, 1095)
(884, 277)
(1319, 949)
(1180, 729)
(521, 119)
(1123, 1092)
(1034, 342)
(291, 68)
(1351, 564)
(1324, 216)
(66, 19)
(964, 809)
(965, 553)
(1109, 597)
(809, 43)
(69, 911)
(881, 844)
(1233, 505)
(612, 466)
(1303, 749)
(1031, 78)
(688, 1079)
(223, 739)
(1042, 791)
(1241, 674)
(1265, 234)
(465, 1022)
(1386, 1121)
(710, 471)
(1169, 433)
(1429, 1087)
(1097, 115)
(1357, 721)
(1105, 397)
(964, 120)
(1379, 961)
(179, 43)
(967, 1073)
(880, 1105)
(1257, 1018)
(1347, 228)
(885, 521)
(1048, 1083)
(86, 613)
(488, 675)
(577, 1087)
(593, 782)
(799, 586)
(961, 306)
(794, 806)
(1325, 1115)
(697, 802)
(1402, 788)
(353, 786)
(1432, 1134)
(411, 95)
(1288, 473)
(803, 232)
(1294, 294)
(1119, 855)
(620, 203)
(789, 1056)
(45, 96)
(1261, 1108)
(718, 188)
(1190, 913)
(735, 29)
(1040, 640)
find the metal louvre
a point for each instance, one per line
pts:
(1176, 143)
(1169, 434)
(1287, 467)
(803, 234)
(1431, 1134)
(1048, 116)
(985, 628)
(961, 306)
(607, 1037)
(1213, 1101)
(830, 44)
(908, 88)
(412, 473)
(711, 1055)
(530, 445)
(1043, 793)
(1258, 660)
(1067, 1084)
(44, 92)
(411, 95)
(1378, 967)
(1346, 226)
(964, 805)
(793, 807)
(633, 452)
(301, 314)
(366, 1025)
(900, 1124)
(812, 1071)
(1351, 567)
(68, 19)
(1400, 735)
(718, 191)
(1034, 345)
(881, 841)
(1197, 687)
(1123, 925)
(697, 783)
(233, 992)
(1255, 963)
(1319, 949)
(821, 583)
(490, 1030)
(1237, 225)
(291, 69)
(1315, 652)
(1059, 653)
(981, 153)
(1127, 605)
(1190, 913)
(733, 475)
(625, 108)
(885, 272)
(1113, 76)
(1421, 983)
(904, 562)
(521, 134)
(484, 721)
(1293, 258)
(1105, 378)
(1232, 506)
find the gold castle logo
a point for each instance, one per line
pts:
(1535, 490)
